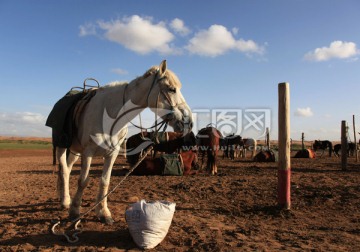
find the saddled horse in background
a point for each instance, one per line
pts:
(230, 144)
(351, 148)
(102, 126)
(323, 145)
(208, 141)
(168, 142)
(248, 144)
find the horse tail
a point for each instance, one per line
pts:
(330, 148)
(54, 154)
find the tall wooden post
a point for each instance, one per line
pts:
(356, 149)
(284, 170)
(302, 141)
(343, 146)
(267, 138)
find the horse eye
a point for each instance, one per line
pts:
(172, 90)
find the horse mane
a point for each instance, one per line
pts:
(114, 84)
(170, 75)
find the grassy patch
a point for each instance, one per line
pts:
(24, 144)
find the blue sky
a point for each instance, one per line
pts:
(227, 54)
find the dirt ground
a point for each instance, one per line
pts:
(233, 211)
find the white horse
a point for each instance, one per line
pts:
(248, 144)
(102, 128)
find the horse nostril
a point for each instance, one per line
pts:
(187, 121)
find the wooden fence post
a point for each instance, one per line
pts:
(267, 138)
(302, 141)
(356, 149)
(343, 146)
(284, 169)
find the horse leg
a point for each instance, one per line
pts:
(71, 160)
(202, 160)
(215, 169)
(211, 162)
(82, 183)
(63, 179)
(231, 152)
(214, 163)
(208, 161)
(102, 210)
(215, 166)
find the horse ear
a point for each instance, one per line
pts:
(162, 67)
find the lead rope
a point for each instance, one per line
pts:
(76, 222)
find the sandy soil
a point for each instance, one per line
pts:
(234, 211)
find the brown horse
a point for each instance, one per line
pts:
(208, 141)
(168, 142)
(155, 166)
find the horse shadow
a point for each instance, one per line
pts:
(16, 212)
(48, 206)
(270, 210)
(121, 239)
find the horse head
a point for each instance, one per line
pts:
(316, 144)
(166, 100)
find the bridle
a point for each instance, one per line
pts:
(163, 122)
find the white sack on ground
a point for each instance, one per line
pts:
(149, 222)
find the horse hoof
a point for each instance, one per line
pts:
(65, 207)
(73, 215)
(107, 220)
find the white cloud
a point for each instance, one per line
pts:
(87, 29)
(178, 26)
(248, 46)
(235, 30)
(139, 34)
(337, 49)
(217, 40)
(119, 71)
(304, 112)
(142, 35)
(24, 124)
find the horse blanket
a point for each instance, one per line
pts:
(61, 117)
